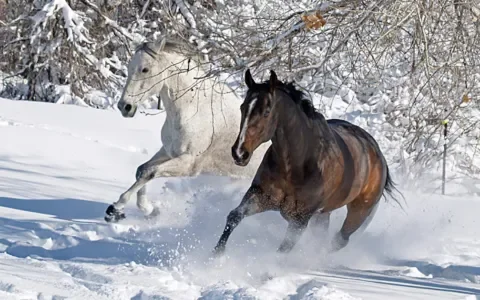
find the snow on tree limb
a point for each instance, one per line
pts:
(108, 21)
(186, 13)
(73, 22)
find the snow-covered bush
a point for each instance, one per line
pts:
(66, 49)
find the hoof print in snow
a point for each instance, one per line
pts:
(113, 214)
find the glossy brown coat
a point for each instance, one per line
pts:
(313, 166)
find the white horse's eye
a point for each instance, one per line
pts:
(145, 70)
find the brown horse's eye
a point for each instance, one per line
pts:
(266, 113)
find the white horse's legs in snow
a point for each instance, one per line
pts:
(142, 202)
(160, 165)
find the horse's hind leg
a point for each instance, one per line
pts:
(358, 211)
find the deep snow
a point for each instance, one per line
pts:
(61, 165)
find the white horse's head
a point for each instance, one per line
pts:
(145, 77)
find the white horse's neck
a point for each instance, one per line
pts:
(186, 90)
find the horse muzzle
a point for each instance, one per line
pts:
(241, 157)
(128, 110)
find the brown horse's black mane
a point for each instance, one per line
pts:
(297, 96)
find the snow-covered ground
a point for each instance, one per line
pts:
(61, 165)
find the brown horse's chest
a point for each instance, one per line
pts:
(293, 198)
(299, 204)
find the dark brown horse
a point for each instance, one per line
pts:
(313, 166)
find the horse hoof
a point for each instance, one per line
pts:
(113, 214)
(338, 243)
(218, 251)
(285, 248)
(266, 277)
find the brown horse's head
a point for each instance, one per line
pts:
(257, 125)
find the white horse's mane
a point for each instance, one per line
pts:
(170, 44)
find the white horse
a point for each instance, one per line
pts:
(202, 121)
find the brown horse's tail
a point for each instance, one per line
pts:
(390, 187)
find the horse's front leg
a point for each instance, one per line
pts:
(295, 230)
(320, 222)
(142, 201)
(177, 166)
(251, 204)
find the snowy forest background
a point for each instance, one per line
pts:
(396, 67)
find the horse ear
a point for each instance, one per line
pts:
(273, 81)
(249, 79)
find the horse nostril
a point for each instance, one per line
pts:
(245, 155)
(128, 107)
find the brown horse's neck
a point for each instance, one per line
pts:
(297, 139)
